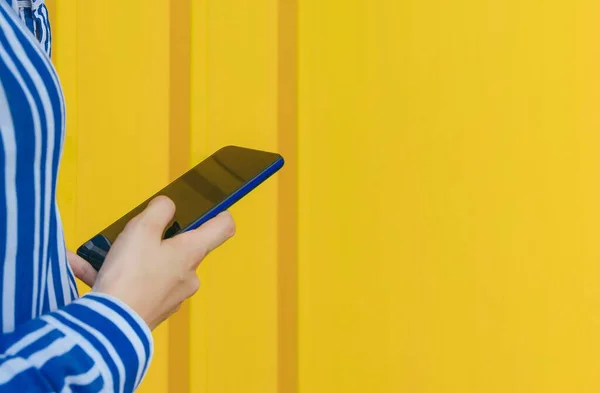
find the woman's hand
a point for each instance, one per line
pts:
(154, 276)
(82, 269)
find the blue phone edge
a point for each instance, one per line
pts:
(237, 195)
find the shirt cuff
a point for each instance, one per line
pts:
(135, 317)
(118, 333)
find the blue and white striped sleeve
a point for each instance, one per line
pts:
(97, 343)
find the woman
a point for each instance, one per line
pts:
(52, 340)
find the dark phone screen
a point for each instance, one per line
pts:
(195, 193)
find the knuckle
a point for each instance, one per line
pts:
(182, 278)
(194, 284)
(132, 223)
(145, 227)
(143, 224)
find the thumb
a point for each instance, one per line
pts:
(157, 215)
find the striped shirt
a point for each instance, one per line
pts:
(51, 340)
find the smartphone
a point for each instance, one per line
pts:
(199, 195)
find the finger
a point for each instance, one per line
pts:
(199, 242)
(157, 215)
(82, 269)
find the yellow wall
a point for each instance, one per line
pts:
(234, 101)
(447, 203)
(449, 219)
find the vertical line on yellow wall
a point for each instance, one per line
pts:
(179, 153)
(52, 14)
(288, 198)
